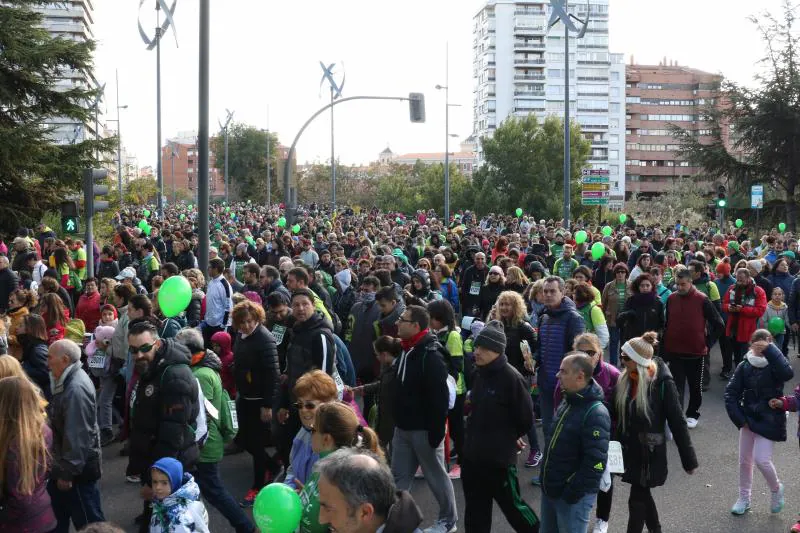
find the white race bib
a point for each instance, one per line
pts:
(475, 288)
(234, 418)
(98, 361)
(278, 332)
(615, 462)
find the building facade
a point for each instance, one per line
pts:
(519, 70)
(179, 168)
(71, 20)
(658, 96)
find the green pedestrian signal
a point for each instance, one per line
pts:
(721, 203)
(70, 224)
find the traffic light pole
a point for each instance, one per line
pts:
(202, 135)
(287, 193)
(88, 205)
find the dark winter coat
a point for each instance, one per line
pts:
(749, 391)
(194, 312)
(255, 367)
(361, 333)
(515, 335)
(164, 410)
(575, 460)
(501, 411)
(312, 347)
(557, 331)
(385, 389)
(641, 313)
(34, 363)
(487, 297)
(107, 269)
(644, 443)
(470, 302)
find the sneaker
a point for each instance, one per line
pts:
(419, 474)
(249, 498)
(455, 472)
(536, 481)
(691, 423)
(534, 458)
(600, 526)
(133, 479)
(777, 501)
(740, 507)
(796, 527)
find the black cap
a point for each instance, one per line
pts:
(492, 337)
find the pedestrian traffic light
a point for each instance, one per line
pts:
(721, 198)
(93, 186)
(416, 107)
(70, 221)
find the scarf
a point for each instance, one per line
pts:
(643, 299)
(756, 361)
(407, 344)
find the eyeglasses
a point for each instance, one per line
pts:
(406, 320)
(624, 358)
(308, 406)
(144, 348)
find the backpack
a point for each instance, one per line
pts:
(437, 348)
(344, 363)
(200, 425)
(334, 371)
(227, 421)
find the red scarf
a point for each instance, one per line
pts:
(410, 343)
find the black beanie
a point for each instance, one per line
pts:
(492, 337)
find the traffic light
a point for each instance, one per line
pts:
(711, 211)
(70, 221)
(92, 186)
(416, 107)
(722, 201)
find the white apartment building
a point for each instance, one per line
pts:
(519, 69)
(71, 20)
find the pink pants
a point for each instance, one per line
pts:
(755, 448)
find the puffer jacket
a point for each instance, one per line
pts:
(557, 331)
(194, 312)
(749, 391)
(312, 346)
(360, 335)
(256, 368)
(742, 325)
(180, 512)
(610, 302)
(644, 443)
(163, 410)
(642, 313)
(575, 460)
(207, 372)
(449, 292)
(34, 363)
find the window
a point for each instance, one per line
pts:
(553, 73)
(614, 76)
(614, 107)
(614, 91)
(613, 155)
(613, 138)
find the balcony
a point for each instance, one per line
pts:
(529, 77)
(530, 94)
(529, 45)
(529, 61)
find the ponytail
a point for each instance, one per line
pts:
(367, 438)
(340, 421)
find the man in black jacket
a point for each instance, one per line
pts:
(420, 410)
(471, 283)
(575, 459)
(501, 412)
(164, 408)
(72, 414)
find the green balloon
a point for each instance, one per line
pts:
(519, 211)
(296, 228)
(190, 206)
(598, 251)
(277, 509)
(217, 225)
(623, 218)
(227, 209)
(182, 217)
(782, 227)
(146, 212)
(282, 222)
(776, 325)
(174, 296)
(142, 224)
(147, 229)
(398, 220)
(739, 222)
(233, 216)
(580, 237)
(607, 231)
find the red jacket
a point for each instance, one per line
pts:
(685, 331)
(744, 322)
(88, 310)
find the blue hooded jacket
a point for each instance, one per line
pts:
(557, 331)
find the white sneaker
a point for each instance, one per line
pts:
(691, 423)
(600, 526)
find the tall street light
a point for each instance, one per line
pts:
(119, 144)
(224, 128)
(447, 106)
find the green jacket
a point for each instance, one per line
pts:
(309, 499)
(207, 373)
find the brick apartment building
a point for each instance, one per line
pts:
(657, 96)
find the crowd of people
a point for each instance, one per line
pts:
(351, 352)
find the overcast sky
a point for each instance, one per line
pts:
(266, 53)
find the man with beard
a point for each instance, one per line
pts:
(251, 274)
(325, 263)
(471, 283)
(164, 407)
(270, 279)
(391, 308)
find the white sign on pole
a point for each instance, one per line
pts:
(757, 197)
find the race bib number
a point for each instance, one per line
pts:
(98, 361)
(278, 332)
(475, 288)
(234, 418)
(615, 463)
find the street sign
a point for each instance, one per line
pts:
(595, 187)
(594, 172)
(595, 194)
(594, 179)
(757, 197)
(594, 201)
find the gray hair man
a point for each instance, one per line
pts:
(76, 439)
(357, 494)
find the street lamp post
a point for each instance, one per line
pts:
(225, 130)
(119, 144)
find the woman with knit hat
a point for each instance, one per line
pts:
(645, 401)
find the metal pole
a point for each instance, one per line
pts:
(172, 157)
(566, 121)
(97, 131)
(119, 147)
(333, 160)
(269, 163)
(226, 162)
(202, 139)
(159, 176)
(88, 206)
(447, 136)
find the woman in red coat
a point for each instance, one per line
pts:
(88, 308)
(745, 302)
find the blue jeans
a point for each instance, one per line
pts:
(214, 491)
(548, 408)
(80, 504)
(558, 516)
(613, 345)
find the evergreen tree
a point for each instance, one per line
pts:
(36, 174)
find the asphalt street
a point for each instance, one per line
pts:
(697, 503)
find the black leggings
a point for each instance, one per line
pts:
(604, 502)
(253, 435)
(456, 424)
(642, 510)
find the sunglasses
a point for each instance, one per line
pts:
(308, 406)
(144, 348)
(591, 353)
